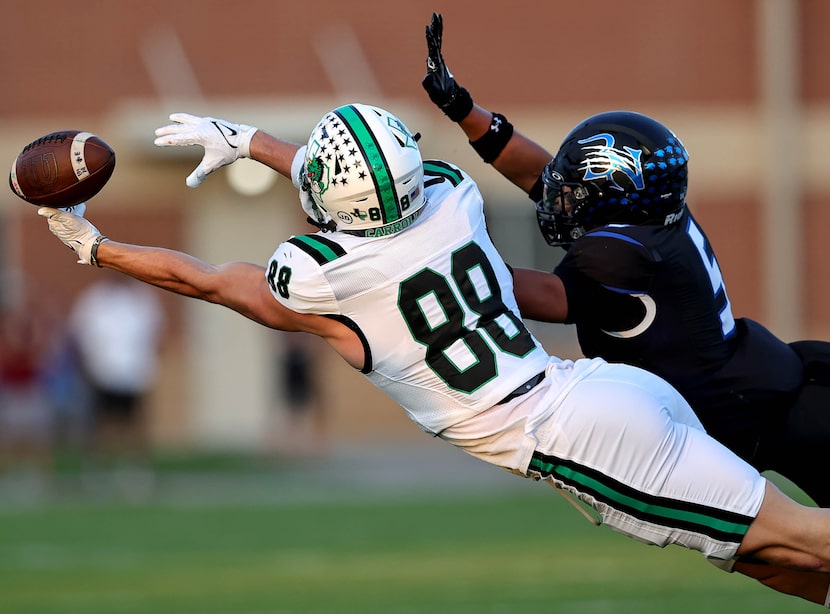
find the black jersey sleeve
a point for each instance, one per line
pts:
(601, 271)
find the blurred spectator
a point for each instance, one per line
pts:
(301, 429)
(25, 412)
(69, 396)
(117, 325)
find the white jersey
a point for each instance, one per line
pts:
(433, 304)
(434, 307)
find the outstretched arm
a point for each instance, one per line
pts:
(225, 142)
(521, 160)
(515, 156)
(240, 286)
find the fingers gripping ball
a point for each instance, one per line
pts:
(78, 234)
(62, 169)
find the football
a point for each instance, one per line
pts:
(62, 169)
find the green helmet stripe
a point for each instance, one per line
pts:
(372, 153)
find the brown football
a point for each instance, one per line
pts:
(62, 169)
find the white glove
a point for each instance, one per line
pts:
(223, 141)
(77, 233)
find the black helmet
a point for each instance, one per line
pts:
(617, 167)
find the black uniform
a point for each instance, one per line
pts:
(653, 296)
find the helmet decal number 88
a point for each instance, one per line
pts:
(375, 213)
(435, 314)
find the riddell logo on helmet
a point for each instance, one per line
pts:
(671, 218)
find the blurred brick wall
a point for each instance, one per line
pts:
(695, 65)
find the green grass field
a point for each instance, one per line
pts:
(521, 550)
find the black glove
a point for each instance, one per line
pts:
(454, 100)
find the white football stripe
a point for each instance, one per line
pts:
(79, 155)
(13, 177)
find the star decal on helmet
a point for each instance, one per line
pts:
(336, 158)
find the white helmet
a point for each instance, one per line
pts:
(364, 169)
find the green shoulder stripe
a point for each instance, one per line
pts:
(442, 170)
(321, 249)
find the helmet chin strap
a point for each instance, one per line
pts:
(329, 226)
(316, 216)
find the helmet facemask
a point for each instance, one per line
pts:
(560, 205)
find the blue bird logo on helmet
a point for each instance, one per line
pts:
(618, 167)
(604, 160)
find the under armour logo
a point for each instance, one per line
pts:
(495, 124)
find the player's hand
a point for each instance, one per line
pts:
(223, 141)
(439, 83)
(77, 233)
(79, 209)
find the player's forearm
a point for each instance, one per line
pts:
(476, 123)
(164, 268)
(273, 152)
(521, 161)
(240, 286)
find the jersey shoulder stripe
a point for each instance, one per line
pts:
(323, 250)
(622, 259)
(438, 170)
(614, 235)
